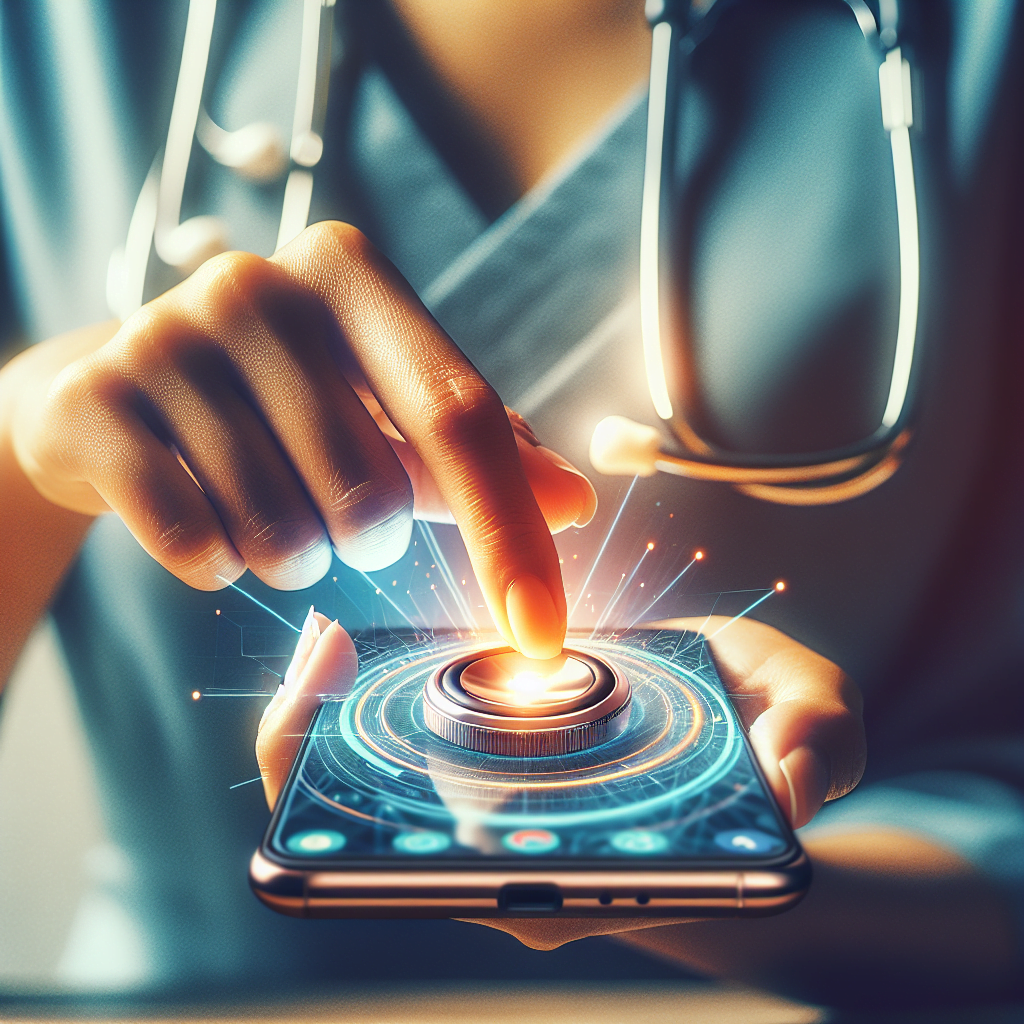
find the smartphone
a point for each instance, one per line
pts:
(670, 817)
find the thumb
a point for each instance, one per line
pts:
(324, 665)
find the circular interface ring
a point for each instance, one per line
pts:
(681, 738)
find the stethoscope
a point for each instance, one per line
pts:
(619, 446)
(255, 151)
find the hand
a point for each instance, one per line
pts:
(264, 412)
(803, 715)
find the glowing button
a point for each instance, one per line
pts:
(309, 844)
(421, 842)
(512, 679)
(638, 842)
(531, 840)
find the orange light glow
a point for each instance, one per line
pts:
(780, 586)
(217, 612)
(650, 545)
(698, 555)
(196, 694)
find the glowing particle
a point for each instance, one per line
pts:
(641, 586)
(379, 591)
(574, 557)
(433, 586)
(698, 555)
(671, 515)
(561, 561)
(428, 577)
(394, 583)
(650, 545)
(217, 612)
(335, 578)
(780, 586)
(415, 563)
(195, 693)
(463, 582)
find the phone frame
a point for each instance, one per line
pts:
(662, 888)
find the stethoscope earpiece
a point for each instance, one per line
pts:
(621, 447)
(188, 245)
(255, 151)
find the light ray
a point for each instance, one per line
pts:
(604, 544)
(746, 611)
(261, 604)
(248, 782)
(625, 586)
(380, 591)
(437, 594)
(692, 563)
(446, 574)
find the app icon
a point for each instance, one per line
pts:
(422, 842)
(638, 842)
(748, 840)
(309, 844)
(530, 840)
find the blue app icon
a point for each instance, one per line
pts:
(422, 842)
(315, 842)
(749, 841)
(530, 840)
(638, 842)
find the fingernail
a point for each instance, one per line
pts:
(306, 568)
(308, 637)
(808, 777)
(533, 618)
(587, 488)
(381, 545)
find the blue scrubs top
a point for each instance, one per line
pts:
(915, 589)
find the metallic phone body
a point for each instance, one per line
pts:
(457, 885)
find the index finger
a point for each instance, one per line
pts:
(453, 419)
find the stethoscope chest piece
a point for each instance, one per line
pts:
(499, 702)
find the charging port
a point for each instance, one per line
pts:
(530, 899)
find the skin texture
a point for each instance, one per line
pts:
(891, 918)
(531, 80)
(265, 412)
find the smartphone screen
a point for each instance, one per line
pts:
(373, 785)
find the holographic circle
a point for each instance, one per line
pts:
(681, 738)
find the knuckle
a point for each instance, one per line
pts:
(340, 240)
(465, 407)
(192, 551)
(87, 394)
(231, 277)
